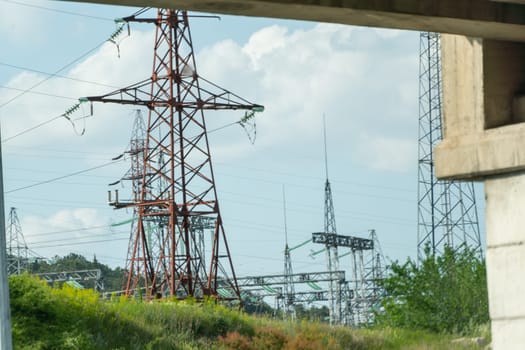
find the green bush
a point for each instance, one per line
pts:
(66, 318)
(446, 293)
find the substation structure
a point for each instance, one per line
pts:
(362, 294)
(257, 288)
(20, 258)
(447, 211)
(174, 195)
(73, 278)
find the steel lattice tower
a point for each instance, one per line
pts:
(17, 250)
(177, 182)
(332, 258)
(135, 151)
(447, 212)
(289, 289)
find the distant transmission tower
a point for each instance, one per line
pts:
(447, 213)
(177, 182)
(330, 241)
(289, 289)
(135, 151)
(17, 250)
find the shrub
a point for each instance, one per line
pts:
(445, 293)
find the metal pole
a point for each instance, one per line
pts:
(5, 315)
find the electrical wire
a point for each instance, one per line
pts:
(32, 128)
(82, 243)
(71, 13)
(53, 74)
(39, 93)
(56, 75)
(64, 176)
(35, 244)
(70, 231)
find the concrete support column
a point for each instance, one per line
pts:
(505, 217)
(484, 139)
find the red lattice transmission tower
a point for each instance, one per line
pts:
(177, 185)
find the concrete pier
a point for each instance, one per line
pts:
(484, 139)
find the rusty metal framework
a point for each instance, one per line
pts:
(177, 181)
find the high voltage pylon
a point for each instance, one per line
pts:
(177, 181)
(332, 259)
(17, 250)
(447, 212)
(289, 288)
(135, 151)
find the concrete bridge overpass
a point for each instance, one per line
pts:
(484, 111)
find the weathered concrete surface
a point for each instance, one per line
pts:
(480, 18)
(506, 259)
(483, 108)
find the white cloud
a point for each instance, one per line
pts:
(358, 77)
(298, 75)
(386, 153)
(69, 230)
(19, 24)
(61, 220)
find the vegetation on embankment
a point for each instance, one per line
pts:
(443, 293)
(47, 318)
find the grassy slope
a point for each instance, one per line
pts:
(45, 318)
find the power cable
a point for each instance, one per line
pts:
(70, 231)
(59, 70)
(39, 93)
(64, 176)
(82, 243)
(55, 75)
(35, 244)
(71, 13)
(32, 128)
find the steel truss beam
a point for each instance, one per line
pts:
(304, 277)
(77, 276)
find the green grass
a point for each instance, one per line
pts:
(47, 318)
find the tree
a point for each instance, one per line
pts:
(446, 293)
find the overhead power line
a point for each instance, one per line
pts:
(38, 93)
(56, 73)
(14, 66)
(71, 13)
(64, 176)
(82, 243)
(32, 128)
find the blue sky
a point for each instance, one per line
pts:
(364, 80)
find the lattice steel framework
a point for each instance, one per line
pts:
(135, 152)
(78, 276)
(177, 178)
(332, 259)
(17, 250)
(368, 269)
(447, 212)
(289, 288)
